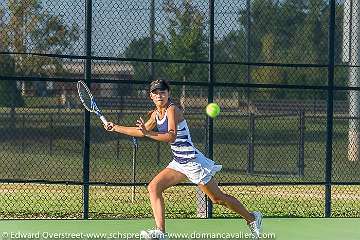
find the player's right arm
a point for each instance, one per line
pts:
(132, 131)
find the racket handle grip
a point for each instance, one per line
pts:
(103, 119)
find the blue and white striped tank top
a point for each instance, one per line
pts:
(182, 148)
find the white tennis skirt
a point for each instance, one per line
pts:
(198, 171)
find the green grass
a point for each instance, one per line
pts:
(65, 201)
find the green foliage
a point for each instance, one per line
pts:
(139, 48)
(30, 28)
(185, 40)
(9, 94)
(288, 31)
(185, 31)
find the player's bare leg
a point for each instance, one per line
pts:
(213, 191)
(165, 179)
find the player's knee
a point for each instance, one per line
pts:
(154, 188)
(151, 188)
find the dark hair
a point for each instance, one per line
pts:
(160, 84)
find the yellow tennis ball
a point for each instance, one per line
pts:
(212, 110)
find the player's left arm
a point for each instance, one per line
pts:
(170, 135)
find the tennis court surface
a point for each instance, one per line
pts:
(274, 228)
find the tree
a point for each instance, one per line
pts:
(264, 19)
(9, 95)
(269, 74)
(30, 28)
(186, 40)
(291, 31)
(231, 47)
(140, 48)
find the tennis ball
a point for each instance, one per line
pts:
(212, 110)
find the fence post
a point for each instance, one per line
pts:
(248, 59)
(330, 109)
(301, 163)
(86, 148)
(23, 132)
(201, 203)
(118, 138)
(251, 140)
(152, 39)
(135, 148)
(51, 134)
(211, 80)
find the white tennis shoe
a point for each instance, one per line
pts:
(255, 226)
(153, 234)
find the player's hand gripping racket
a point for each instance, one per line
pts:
(89, 102)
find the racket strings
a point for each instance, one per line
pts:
(85, 97)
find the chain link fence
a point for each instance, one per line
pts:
(285, 74)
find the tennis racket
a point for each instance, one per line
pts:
(88, 101)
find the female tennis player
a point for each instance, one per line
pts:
(188, 162)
